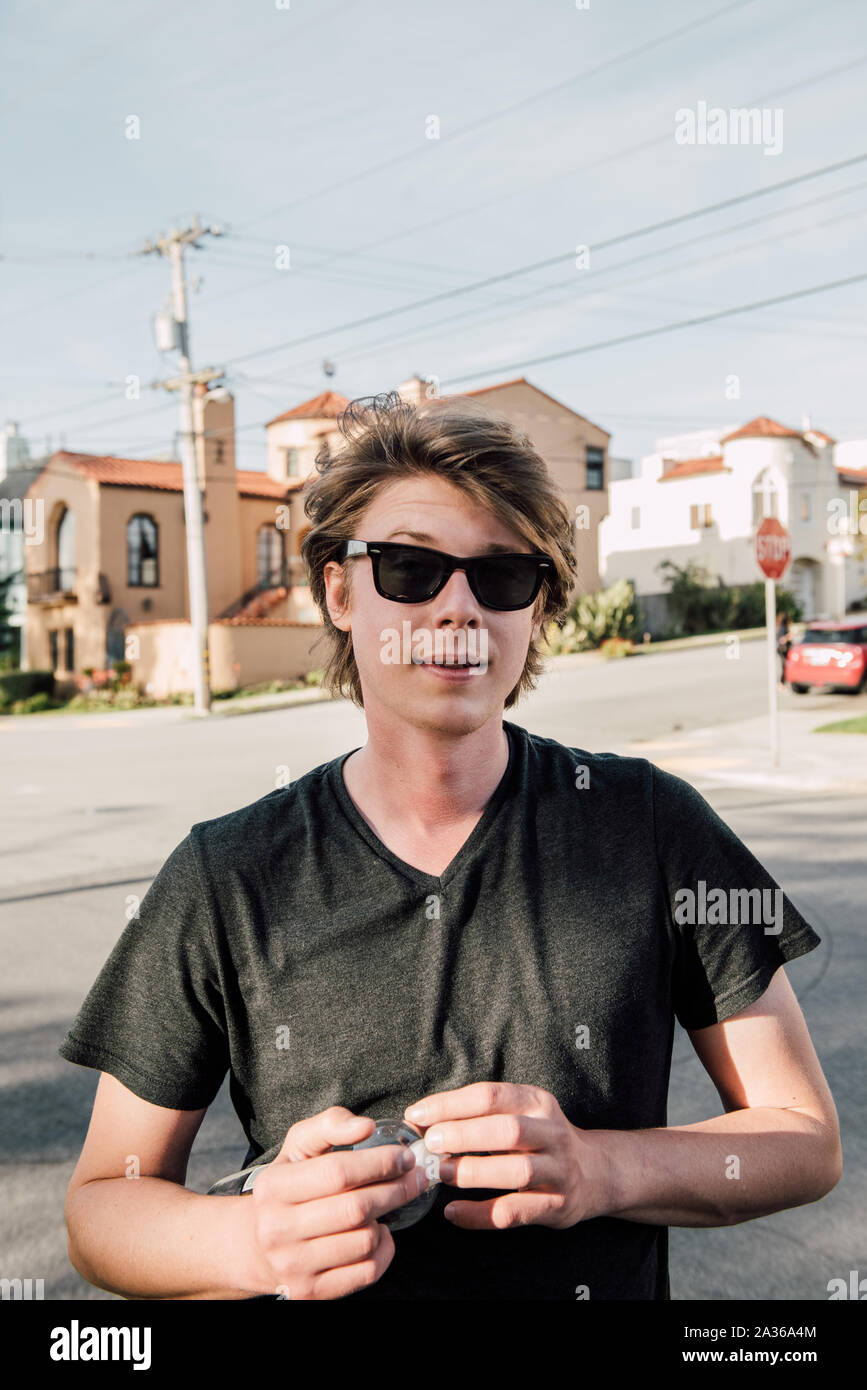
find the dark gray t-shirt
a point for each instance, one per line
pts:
(285, 943)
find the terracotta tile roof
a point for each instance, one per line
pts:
(764, 428)
(326, 406)
(165, 475)
(690, 468)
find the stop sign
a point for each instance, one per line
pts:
(773, 548)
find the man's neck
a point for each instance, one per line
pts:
(425, 781)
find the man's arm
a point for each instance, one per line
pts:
(148, 1236)
(778, 1145)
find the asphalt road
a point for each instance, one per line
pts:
(94, 805)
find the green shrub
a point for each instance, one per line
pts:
(34, 704)
(595, 617)
(701, 602)
(20, 685)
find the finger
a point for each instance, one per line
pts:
(337, 1283)
(332, 1173)
(347, 1211)
(479, 1098)
(512, 1172)
(319, 1133)
(314, 1257)
(502, 1213)
(489, 1134)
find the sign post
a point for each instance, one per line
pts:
(773, 552)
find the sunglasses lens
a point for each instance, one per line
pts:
(508, 582)
(409, 574)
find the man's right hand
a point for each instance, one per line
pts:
(312, 1229)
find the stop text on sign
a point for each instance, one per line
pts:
(771, 547)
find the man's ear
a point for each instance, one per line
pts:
(336, 598)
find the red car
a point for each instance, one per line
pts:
(830, 653)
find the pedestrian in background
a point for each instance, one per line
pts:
(784, 639)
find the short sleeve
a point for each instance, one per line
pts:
(154, 1017)
(733, 924)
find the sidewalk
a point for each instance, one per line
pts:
(738, 754)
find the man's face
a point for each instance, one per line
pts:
(427, 511)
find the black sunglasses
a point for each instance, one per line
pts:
(414, 574)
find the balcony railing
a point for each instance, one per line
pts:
(50, 584)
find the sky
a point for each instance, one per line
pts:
(403, 151)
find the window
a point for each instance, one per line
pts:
(293, 462)
(595, 468)
(69, 649)
(66, 551)
(636, 518)
(270, 557)
(53, 647)
(806, 509)
(700, 515)
(142, 552)
(835, 636)
(764, 498)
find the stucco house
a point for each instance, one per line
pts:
(701, 497)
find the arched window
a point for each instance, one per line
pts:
(66, 551)
(270, 557)
(142, 552)
(765, 497)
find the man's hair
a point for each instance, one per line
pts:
(387, 440)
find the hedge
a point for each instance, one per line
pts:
(20, 685)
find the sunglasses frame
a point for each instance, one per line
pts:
(468, 563)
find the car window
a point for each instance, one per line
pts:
(835, 635)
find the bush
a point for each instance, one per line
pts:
(701, 602)
(20, 685)
(34, 704)
(594, 618)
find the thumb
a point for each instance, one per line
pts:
(336, 1127)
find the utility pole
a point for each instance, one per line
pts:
(172, 247)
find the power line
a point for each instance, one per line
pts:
(549, 261)
(664, 328)
(521, 104)
(414, 334)
(606, 160)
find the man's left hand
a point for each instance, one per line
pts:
(515, 1137)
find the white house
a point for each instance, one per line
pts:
(701, 496)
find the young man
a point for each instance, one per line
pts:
(458, 913)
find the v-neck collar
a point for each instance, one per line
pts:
(473, 841)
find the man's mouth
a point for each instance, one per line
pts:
(458, 665)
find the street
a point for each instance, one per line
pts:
(95, 804)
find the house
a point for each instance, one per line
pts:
(575, 450)
(109, 581)
(701, 496)
(20, 526)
